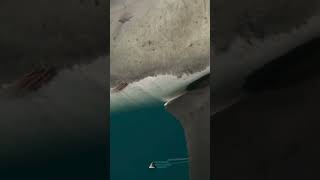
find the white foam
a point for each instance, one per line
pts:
(160, 88)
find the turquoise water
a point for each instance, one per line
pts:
(140, 136)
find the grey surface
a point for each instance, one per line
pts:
(252, 19)
(271, 135)
(255, 33)
(162, 37)
(195, 119)
(59, 131)
(167, 37)
(60, 33)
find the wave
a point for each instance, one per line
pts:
(160, 88)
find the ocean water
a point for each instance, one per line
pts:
(142, 135)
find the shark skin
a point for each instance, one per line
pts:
(159, 48)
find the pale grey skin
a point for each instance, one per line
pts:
(243, 34)
(254, 33)
(166, 37)
(160, 37)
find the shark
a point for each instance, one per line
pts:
(194, 56)
(181, 53)
(160, 51)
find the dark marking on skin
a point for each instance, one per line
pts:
(33, 80)
(122, 85)
(125, 19)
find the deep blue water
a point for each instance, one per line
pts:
(140, 136)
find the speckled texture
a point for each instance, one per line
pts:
(162, 37)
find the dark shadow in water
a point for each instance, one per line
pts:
(274, 132)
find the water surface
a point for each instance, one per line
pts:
(142, 135)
